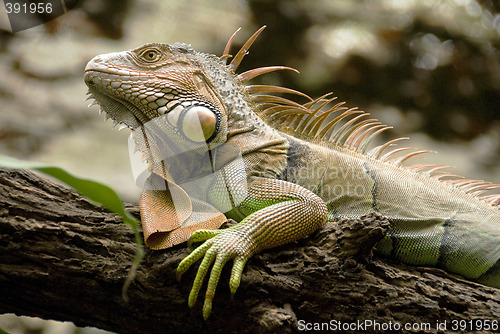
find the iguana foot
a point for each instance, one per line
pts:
(221, 246)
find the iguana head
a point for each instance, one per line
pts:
(160, 80)
(188, 89)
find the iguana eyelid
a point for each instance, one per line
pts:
(145, 55)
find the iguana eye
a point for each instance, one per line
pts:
(197, 123)
(150, 55)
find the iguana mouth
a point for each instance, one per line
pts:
(123, 113)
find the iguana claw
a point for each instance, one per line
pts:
(220, 247)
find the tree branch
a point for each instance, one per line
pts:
(63, 258)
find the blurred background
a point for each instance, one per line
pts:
(429, 68)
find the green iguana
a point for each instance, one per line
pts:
(279, 168)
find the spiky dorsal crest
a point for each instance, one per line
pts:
(236, 61)
(337, 126)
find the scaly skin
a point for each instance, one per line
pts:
(267, 200)
(191, 116)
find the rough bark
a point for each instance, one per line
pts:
(63, 258)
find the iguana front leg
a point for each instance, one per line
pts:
(281, 212)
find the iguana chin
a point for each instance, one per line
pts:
(279, 168)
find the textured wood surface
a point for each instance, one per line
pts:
(63, 258)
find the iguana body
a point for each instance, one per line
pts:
(279, 168)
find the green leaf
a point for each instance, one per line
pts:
(95, 191)
(3, 332)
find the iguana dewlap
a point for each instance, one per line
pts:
(219, 149)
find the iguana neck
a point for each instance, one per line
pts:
(263, 148)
